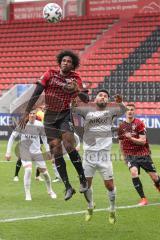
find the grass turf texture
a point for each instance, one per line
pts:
(132, 223)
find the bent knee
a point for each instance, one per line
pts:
(134, 172)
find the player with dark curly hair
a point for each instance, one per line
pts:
(75, 58)
(61, 88)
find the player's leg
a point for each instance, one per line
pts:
(38, 177)
(89, 198)
(27, 178)
(150, 168)
(56, 150)
(69, 144)
(89, 170)
(138, 185)
(56, 173)
(18, 167)
(156, 179)
(105, 169)
(134, 168)
(53, 133)
(109, 184)
(41, 165)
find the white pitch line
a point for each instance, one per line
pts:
(70, 213)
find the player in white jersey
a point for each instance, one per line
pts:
(97, 142)
(30, 151)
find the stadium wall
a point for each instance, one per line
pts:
(124, 8)
(33, 10)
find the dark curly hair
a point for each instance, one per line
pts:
(74, 56)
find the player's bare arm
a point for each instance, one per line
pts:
(119, 100)
(139, 141)
(37, 92)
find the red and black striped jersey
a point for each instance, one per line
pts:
(56, 98)
(136, 128)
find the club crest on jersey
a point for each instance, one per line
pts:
(133, 127)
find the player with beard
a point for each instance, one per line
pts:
(97, 143)
(61, 88)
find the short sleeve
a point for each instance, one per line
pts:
(141, 127)
(44, 78)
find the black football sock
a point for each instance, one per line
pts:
(18, 166)
(138, 186)
(61, 168)
(76, 161)
(37, 172)
(157, 183)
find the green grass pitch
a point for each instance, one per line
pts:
(47, 219)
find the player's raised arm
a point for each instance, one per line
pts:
(119, 100)
(36, 94)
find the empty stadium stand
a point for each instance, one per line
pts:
(28, 47)
(122, 56)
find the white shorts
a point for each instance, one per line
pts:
(98, 160)
(37, 159)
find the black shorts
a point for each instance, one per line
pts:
(56, 124)
(144, 162)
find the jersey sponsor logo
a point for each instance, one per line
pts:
(56, 80)
(31, 136)
(99, 120)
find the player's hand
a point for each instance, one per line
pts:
(23, 121)
(118, 98)
(84, 97)
(8, 157)
(128, 135)
(71, 86)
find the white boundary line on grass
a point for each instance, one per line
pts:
(69, 213)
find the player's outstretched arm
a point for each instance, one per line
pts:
(37, 92)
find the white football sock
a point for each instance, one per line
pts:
(112, 198)
(27, 180)
(89, 197)
(47, 180)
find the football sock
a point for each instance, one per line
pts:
(138, 186)
(47, 180)
(18, 166)
(157, 183)
(76, 161)
(37, 172)
(55, 171)
(61, 168)
(27, 179)
(89, 197)
(112, 198)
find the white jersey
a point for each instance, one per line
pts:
(29, 139)
(97, 126)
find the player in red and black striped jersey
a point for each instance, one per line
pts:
(61, 87)
(136, 151)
